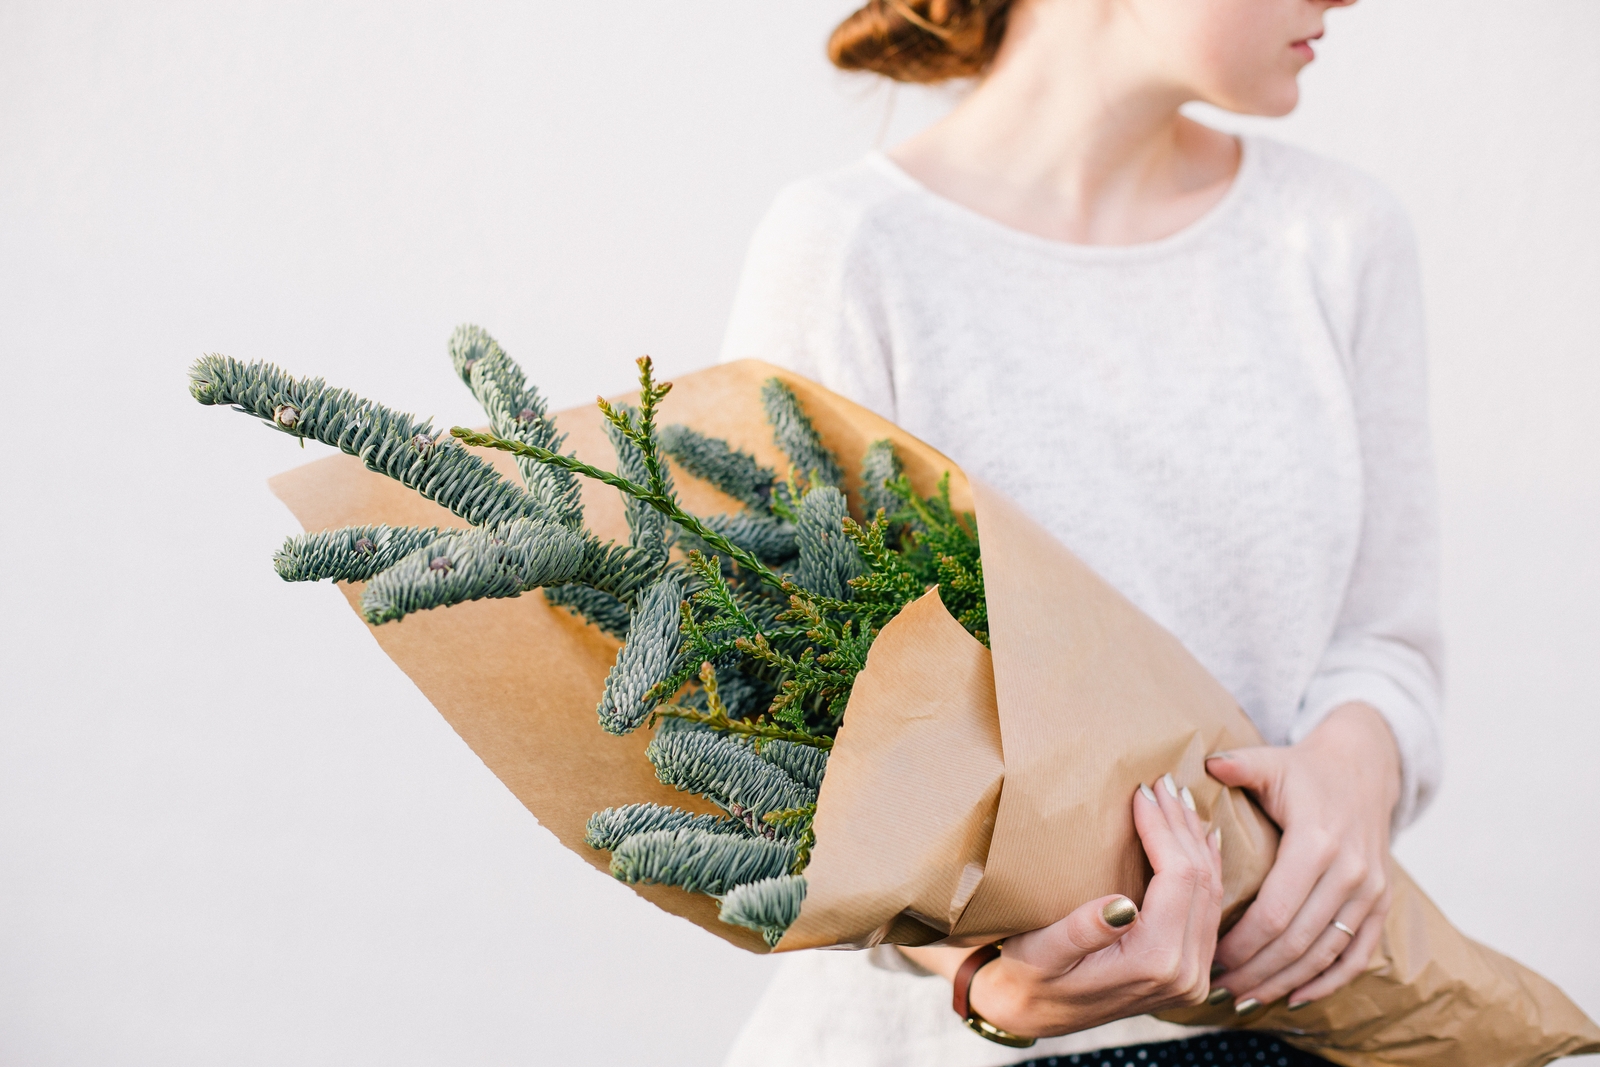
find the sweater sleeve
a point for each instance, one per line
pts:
(809, 298)
(1386, 646)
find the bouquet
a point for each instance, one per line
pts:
(830, 729)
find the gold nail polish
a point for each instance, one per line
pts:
(1218, 995)
(1246, 1006)
(1188, 798)
(1170, 786)
(1119, 913)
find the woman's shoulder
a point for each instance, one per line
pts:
(837, 209)
(1325, 193)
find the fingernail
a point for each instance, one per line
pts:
(1216, 835)
(1119, 913)
(1188, 799)
(1218, 995)
(1219, 755)
(1218, 968)
(1148, 793)
(1297, 1005)
(1246, 1006)
(1170, 786)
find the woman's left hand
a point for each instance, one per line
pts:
(1319, 914)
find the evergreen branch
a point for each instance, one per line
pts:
(716, 717)
(769, 906)
(516, 410)
(666, 505)
(793, 432)
(646, 659)
(698, 861)
(796, 825)
(828, 559)
(505, 561)
(609, 828)
(712, 459)
(392, 443)
(879, 466)
(649, 531)
(350, 554)
(722, 770)
(593, 606)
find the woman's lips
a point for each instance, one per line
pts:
(1303, 48)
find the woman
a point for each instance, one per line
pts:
(1199, 362)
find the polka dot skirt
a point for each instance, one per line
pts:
(1219, 1050)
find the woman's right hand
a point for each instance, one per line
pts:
(1083, 971)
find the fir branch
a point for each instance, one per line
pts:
(666, 505)
(646, 659)
(712, 459)
(804, 761)
(880, 465)
(350, 554)
(767, 537)
(727, 773)
(594, 606)
(698, 861)
(769, 906)
(517, 411)
(505, 561)
(609, 828)
(828, 559)
(793, 432)
(392, 443)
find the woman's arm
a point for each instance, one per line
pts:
(1083, 971)
(1366, 757)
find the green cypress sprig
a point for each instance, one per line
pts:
(764, 735)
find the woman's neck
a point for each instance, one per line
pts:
(1068, 138)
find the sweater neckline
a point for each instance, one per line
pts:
(1243, 178)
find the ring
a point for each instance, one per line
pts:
(1343, 929)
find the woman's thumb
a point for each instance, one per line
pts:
(1256, 769)
(1058, 947)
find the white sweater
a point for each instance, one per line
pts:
(1229, 424)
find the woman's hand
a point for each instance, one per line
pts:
(1320, 911)
(1083, 971)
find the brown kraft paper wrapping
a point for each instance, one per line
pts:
(969, 795)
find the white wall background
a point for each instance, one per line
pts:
(231, 832)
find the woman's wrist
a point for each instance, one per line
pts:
(1356, 737)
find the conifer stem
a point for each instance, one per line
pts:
(660, 501)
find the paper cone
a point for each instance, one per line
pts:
(969, 795)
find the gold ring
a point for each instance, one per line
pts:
(1343, 929)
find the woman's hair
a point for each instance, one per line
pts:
(920, 40)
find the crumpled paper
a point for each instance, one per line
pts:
(970, 795)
